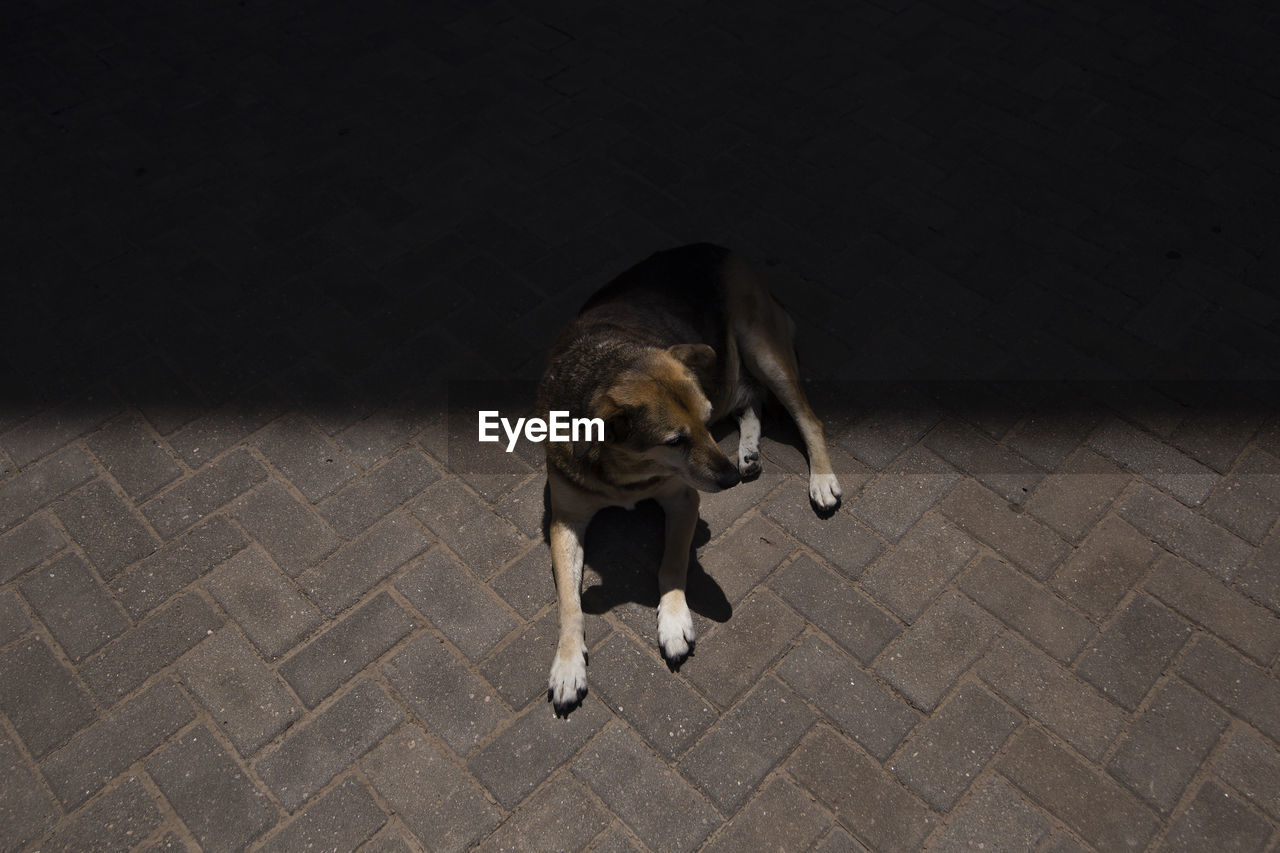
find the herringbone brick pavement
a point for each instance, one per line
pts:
(258, 587)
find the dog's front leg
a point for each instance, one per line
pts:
(675, 623)
(568, 682)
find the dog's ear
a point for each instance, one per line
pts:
(616, 417)
(699, 358)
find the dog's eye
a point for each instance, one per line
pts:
(677, 441)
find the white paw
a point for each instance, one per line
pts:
(824, 491)
(675, 632)
(748, 461)
(568, 682)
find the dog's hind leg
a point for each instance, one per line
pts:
(675, 623)
(749, 440)
(568, 682)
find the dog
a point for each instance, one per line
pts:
(679, 341)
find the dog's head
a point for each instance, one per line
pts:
(656, 416)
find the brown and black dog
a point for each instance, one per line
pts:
(672, 345)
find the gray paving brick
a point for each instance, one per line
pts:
(319, 749)
(1155, 461)
(1216, 820)
(841, 539)
(997, 814)
(1260, 579)
(561, 816)
(1022, 539)
(26, 811)
(148, 647)
(1216, 436)
(659, 806)
(13, 618)
(661, 707)
(1028, 607)
(1073, 498)
(881, 437)
(721, 510)
(41, 698)
(997, 468)
(1186, 533)
(781, 818)
(910, 576)
(1096, 808)
(1252, 766)
(107, 748)
(895, 500)
(731, 658)
(1043, 690)
(926, 660)
(1132, 652)
(211, 434)
(115, 821)
(741, 559)
(830, 602)
(1247, 501)
(867, 801)
(51, 429)
(1248, 626)
(1106, 565)
(1228, 679)
(862, 708)
(378, 492)
(342, 819)
(390, 841)
(42, 484)
(328, 661)
(440, 804)
(615, 840)
(527, 584)
(467, 526)
(341, 580)
(285, 527)
(1166, 745)
(532, 748)
(72, 604)
(839, 841)
(106, 528)
(375, 437)
(312, 464)
(218, 803)
(465, 611)
(267, 607)
(27, 546)
(526, 505)
(178, 563)
(1049, 438)
(135, 457)
(202, 494)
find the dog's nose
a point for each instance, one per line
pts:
(729, 478)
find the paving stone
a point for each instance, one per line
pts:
(168, 843)
(41, 485)
(468, 527)
(1104, 568)
(1216, 436)
(72, 604)
(440, 804)
(1260, 579)
(1248, 626)
(1247, 501)
(391, 841)
(996, 815)
(134, 457)
(374, 438)
(1186, 533)
(210, 435)
(26, 811)
(831, 602)
(342, 819)
(51, 429)
(881, 437)
(1049, 437)
(1004, 472)
(925, 661)
(107, 748)
(526, 506)
(1167, 744)
(729, 660)
(456, 704)
(205, 492)
(524, 754)
(867, 801)
(1075, 497)
(841, 539)
(895, 500)
(465, 611)
(41, 698)
(1228, 679)
(781, 818)
(661, 707)
(312, 464)
(736, 754)
(13, 618)
(104, 526)
(287, 528)
(218, 803)
(262, 601)
(1158, 463)
(1252, 766)
(1132, 652)
(115, 821)
(659, 806)
(1094, 807)
(722, 509)
(742, 558)
(848, 696)
(319, 749)
(948, 751)
(1026, 606)
(527, 585)
(561, 816)
(839, 841)
(148, 647)
(177, 564)
(911, 575)
(1042, 690)
(378, 492)
(1216, 820)
(341, 580)
(27, 546)
(1022, 539)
